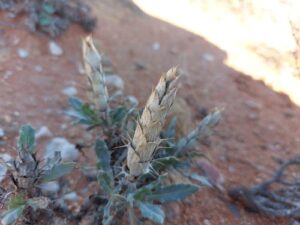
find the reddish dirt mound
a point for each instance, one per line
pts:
(258, 124)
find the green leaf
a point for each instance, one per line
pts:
(16, 201)
(44, 20)
(106, 182)
(117, 115)
(26, 140)
(58, 171)
(171, 193)
(171, 131)
(165, 161)
(10, 217)
(83, 113)
(48, 8)
(152, 212)
(103, 155)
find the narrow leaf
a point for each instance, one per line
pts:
(172, 129)
(152, 212)
(103, 155)
(26, 140)
(58, 171)
(171, 193)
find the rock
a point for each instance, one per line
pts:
(139, 66)
(2, 133)
(16, 114)
(208, 57)
(156, 46)
(43, 132)
(252, 116)
(206, 222)
(251, 104)
(50, 187)
(55, 49)
(38, 68)
(67, 150)
(72, 196)
(23, 53)
(115, 80)
(70, 91)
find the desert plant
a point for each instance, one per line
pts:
(27, 174)
(135, 175)
(52, 17)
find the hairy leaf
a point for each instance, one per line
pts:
(171, 193)
(166, 161)
(58, 171)
(11, 216)
(26, 139)
(152, 212)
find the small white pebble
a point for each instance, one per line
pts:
(23, 53)
(55, 49)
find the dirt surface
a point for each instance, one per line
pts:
(258, 124)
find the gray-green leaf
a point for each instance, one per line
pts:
(152, 212)
(26, 141)
(174, 192)
(58, 171)
(103, 155)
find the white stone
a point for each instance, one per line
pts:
(208, 57)
(156, 46)
(38, 68)
(72, 196)
(67, 150)
(70, 91)
(51, 187)
(2, 133)
(23, 53)
(115, 80)
(43, 132)
(55, 49)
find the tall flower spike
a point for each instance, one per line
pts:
(146, 136)
(94, 71)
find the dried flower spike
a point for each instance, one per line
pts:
(146, 136)
(94, 71)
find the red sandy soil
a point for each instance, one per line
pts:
(250, 135)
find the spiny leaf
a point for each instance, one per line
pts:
(58, 171)
(152, 212)
(171, 193)
(10, 217)
(26, 139)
